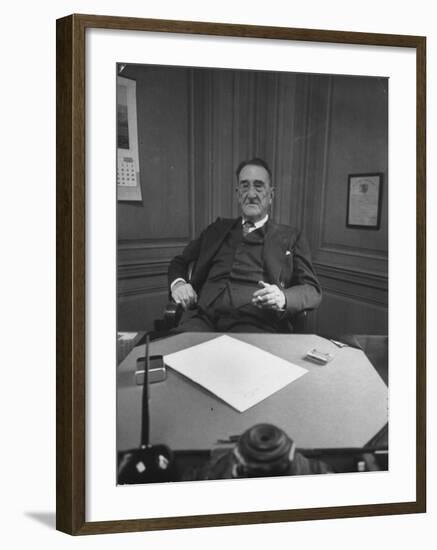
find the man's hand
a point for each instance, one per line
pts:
(183, 293)
(268, 297)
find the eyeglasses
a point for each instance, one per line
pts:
(244, 186)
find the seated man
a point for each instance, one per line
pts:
(251, 274)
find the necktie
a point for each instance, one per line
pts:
(247, 226)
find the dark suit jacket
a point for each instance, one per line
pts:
(287, 262)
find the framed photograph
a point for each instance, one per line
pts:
(364, 201)
(190, 131)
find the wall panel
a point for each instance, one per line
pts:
(347, 134)
(342, 314)
(163, 110)
(152, 231)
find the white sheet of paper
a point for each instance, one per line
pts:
(240, 374)
(126, 336)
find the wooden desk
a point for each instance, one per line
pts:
(342, 404)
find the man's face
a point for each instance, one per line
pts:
(255, 192)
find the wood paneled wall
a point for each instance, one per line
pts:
(347, 134)
(196, 125)
(151, 232)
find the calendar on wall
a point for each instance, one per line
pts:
(128, 167)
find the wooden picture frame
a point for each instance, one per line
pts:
(364, 196)
(71, 273)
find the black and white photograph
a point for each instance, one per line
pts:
(218, 285)
(252, 321)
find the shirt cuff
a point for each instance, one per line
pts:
(178, 280)
(284, 307)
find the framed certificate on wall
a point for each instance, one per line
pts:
(364, 201)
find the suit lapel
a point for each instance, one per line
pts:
(217, 236)
(275, 246)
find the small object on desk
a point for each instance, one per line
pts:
(126, 341)
(318, 357)
(229, 440)
(127, 336)
(157, 370)
(338, 344)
